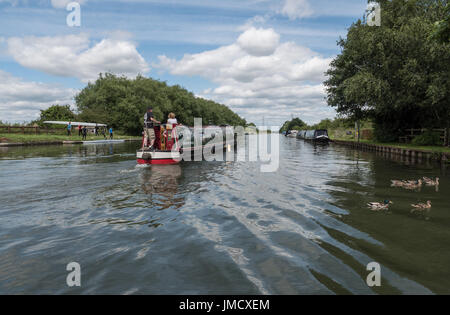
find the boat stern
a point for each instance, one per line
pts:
(158, 157)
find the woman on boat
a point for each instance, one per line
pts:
(172, 119)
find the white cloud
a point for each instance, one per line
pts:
(75, 56)
(22, 101)
(296, 9)
(276, 79)
(259, 42)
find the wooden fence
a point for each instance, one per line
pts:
(410, 134)
(31, 130)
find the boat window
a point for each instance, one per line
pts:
(321, 133)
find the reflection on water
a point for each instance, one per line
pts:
(161, 183)
(221, 227)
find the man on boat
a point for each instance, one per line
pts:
(149, 121)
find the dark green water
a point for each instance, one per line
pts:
(218, 228)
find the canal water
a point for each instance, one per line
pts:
(218, 227)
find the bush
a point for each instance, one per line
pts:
(387, 130)
(428, 138)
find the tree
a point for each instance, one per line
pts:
(294, 124)
(57, 113)
(122, 103)
(396, 74)
(441, 30)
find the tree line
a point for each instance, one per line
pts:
(396, 75)
(328, 124)
(121, 103)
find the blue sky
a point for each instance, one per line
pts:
(263, 58)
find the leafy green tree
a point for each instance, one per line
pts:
(397, 75)
(57, 113)
(122, 103)
(441, 30)
(294, 124)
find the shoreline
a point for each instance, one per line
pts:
(412, 153)
(44, 143)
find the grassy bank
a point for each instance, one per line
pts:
(24, 138)
(437, 149)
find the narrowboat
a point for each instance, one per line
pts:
(172, 141)
(314, 135)
(166, 149)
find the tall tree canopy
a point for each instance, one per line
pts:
(396, 74)
(442, 28)
(294, 124)
(122, 103)
(57, 113)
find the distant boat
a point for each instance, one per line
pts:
(292, 134)
(66, 123)
(314, 135)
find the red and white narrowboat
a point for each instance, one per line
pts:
(166, 150)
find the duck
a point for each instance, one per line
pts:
(379, 205)
(413, 184)
(406, 183)
(430, 182)
(422, 206)
(397, 183)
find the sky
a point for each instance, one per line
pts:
(265, 59)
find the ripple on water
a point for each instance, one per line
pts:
(217, 228)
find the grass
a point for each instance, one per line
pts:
(341, 135)
(31, 138)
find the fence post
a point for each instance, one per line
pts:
(446, 136)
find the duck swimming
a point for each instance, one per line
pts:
(397, 183)
(379, 205)
(408, 184)
(430, 182)
(413, 184)
(422, 206)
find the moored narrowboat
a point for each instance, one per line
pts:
(314, 135)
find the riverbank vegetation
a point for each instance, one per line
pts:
(121, 103)
(409, 146)
(32, 138)
(396, 75)
(345, 130)
(337, 125)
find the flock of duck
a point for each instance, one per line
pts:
(408, 184)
